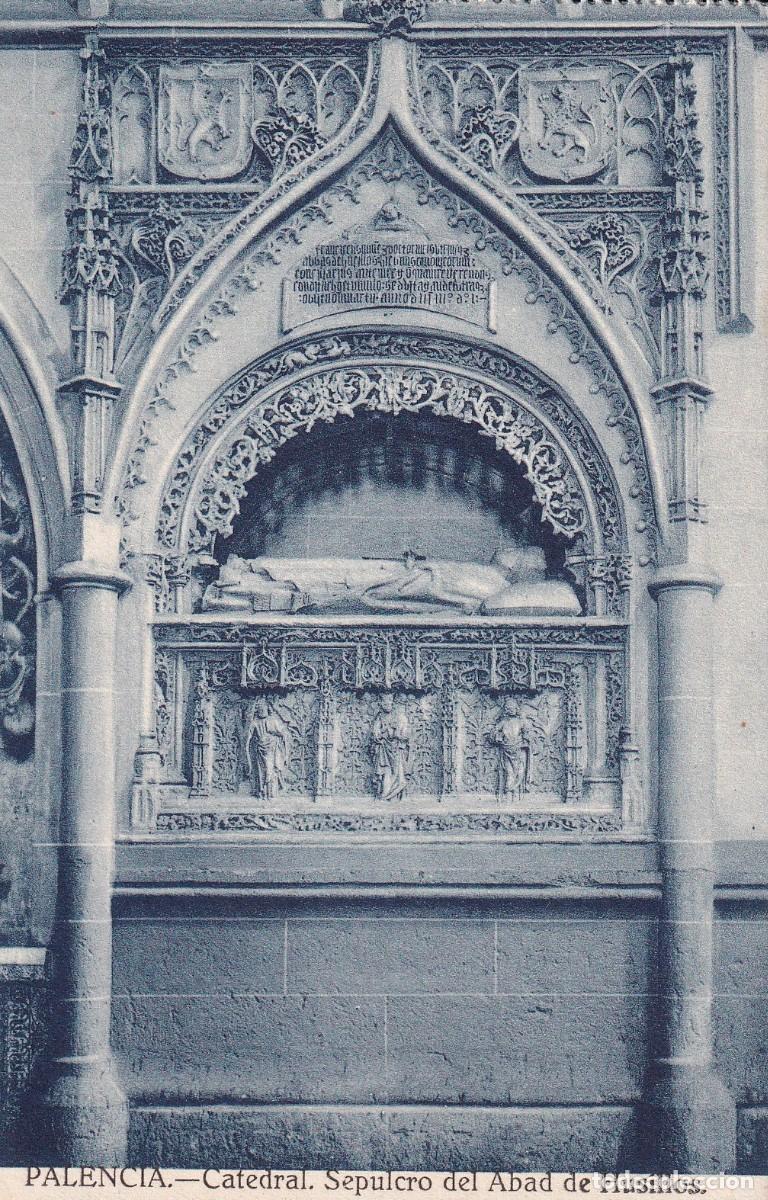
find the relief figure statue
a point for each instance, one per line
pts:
(390, 746)
(266, 750)
(509, 739)
(514, 580)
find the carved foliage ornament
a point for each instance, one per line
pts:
(566, 111)
(91, 159)
(531, 824)
(389, 16)
(17, 615)
(381, 345)
(90, 265)
(202, 118)
(391, 390)
(286, 138)
(390, 160)
(579, 113)
(356, 728)
(683, 266)
(90, 260)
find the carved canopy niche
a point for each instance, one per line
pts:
(420, 693)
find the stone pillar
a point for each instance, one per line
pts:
(81, 1115)
(688, 1115)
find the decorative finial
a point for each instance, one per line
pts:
(389, 16)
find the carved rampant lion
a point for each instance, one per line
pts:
(210, 120)
(568, 123)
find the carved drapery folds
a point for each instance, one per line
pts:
(621, 132)
(384, 726)
(202, 121)
(585, 130)
(535, 117)
(455, 389)
(235, 749)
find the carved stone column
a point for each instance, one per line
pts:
(91, 281)
(682, 393)
(689, 1115)
(82, 1114)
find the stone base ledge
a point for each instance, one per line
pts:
(437, 1138)
(155, 863)
(324, 1137)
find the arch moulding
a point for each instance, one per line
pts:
(572, 672)
(205, 293)
(319, 378)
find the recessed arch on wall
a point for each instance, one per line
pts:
(33, 501)
(34, 488)
(487, 390)
(219, 444)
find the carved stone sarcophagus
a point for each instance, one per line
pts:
(385, 727)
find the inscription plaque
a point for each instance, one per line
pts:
(388, 263)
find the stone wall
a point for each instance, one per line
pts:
(423, 1004)
(353, 993)
(464, 1035)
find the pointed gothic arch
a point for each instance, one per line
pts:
(615, 366)
(28, 408)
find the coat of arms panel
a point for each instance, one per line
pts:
(204, 117)
(568, 128)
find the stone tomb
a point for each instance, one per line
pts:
(380, 727)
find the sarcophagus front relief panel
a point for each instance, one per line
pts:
(382, 728)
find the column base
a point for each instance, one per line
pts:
(688, 1122)
(79, 1118)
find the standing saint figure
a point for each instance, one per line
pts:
(266, 749)
(390, 744)
(509, 739)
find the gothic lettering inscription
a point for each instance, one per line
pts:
(388, 263)
(203, 119)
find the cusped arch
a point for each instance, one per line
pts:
(288, 392)
(612, 361)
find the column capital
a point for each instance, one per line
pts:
(685, 575)
(681, 387)
(84, 573)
